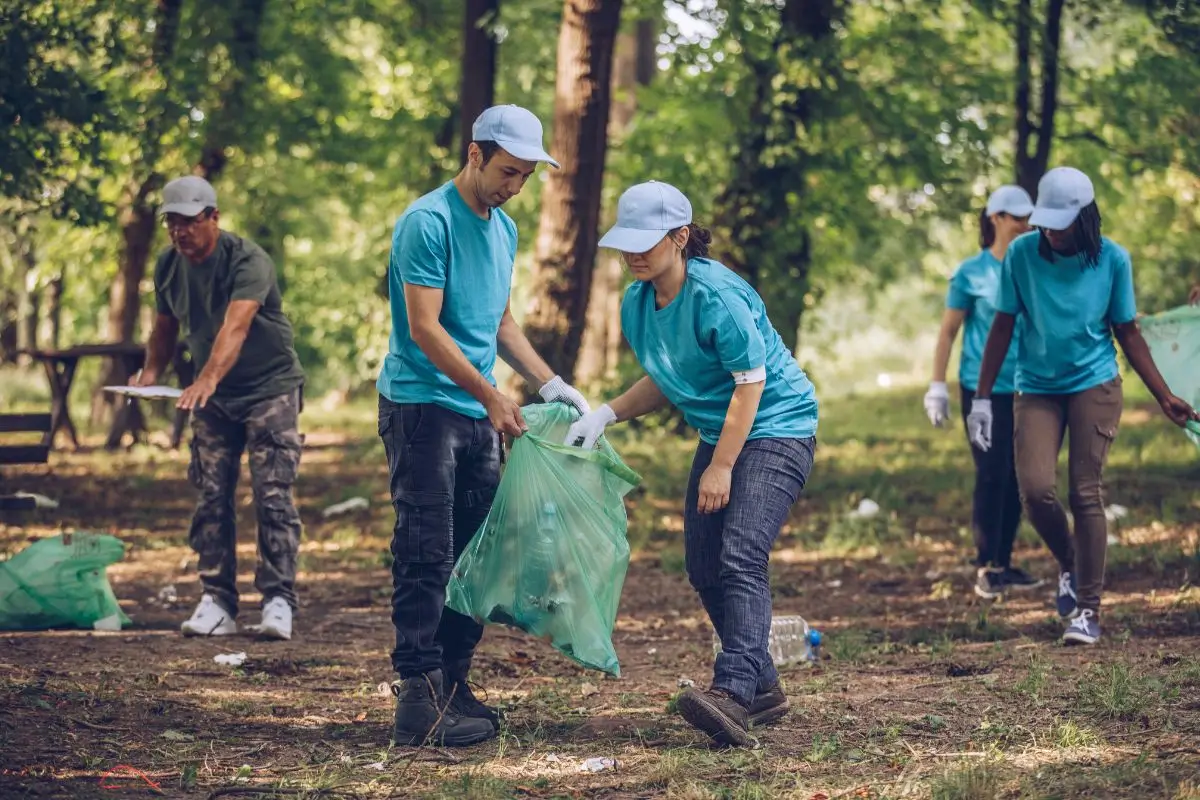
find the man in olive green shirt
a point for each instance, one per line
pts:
(222, 291)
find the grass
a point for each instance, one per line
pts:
(972, 781)
(1070, 734)
(1034, 682)
(1116, 691)
(913, 665)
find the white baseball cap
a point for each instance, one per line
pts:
(515, 129)
(1011, 200)
(1062, 194)
(645, 214)
(188, 196)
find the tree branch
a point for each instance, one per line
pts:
(1051, 41)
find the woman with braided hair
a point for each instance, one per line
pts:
(1069, 290)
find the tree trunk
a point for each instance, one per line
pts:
(136, 215)
(54, 312)
(244, 51)
(28, 299)
(477, 87)
(758, 234)
(566, 243)
(1032, 159)
(601, 348)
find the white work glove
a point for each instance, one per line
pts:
(590, 427)
(556, 390)
(979, 424)
(937, 403)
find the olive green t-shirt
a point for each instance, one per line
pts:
(198, 295)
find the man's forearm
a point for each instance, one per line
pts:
(225, 352)
(444, 353)
(515, 349)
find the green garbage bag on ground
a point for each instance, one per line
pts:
(1174, 339)
(551, 556)
(61, 581)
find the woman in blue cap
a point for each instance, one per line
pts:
(970, 306)
(702, 335)
(1069, 290)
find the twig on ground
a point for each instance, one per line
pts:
(93, 725)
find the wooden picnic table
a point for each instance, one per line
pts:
(60, 366)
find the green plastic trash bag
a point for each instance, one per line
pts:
(1174, 339)
(551, 556)
(61, 581)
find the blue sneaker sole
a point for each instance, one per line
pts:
(1079, 638)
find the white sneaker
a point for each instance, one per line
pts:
(276, 619)
(209, 619)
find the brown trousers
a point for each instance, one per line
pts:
(1091, 417)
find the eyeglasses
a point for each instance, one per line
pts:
(178, 222)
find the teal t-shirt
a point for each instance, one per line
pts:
(716, 326)
(973, 290)
(440, 242)
(1065, 311)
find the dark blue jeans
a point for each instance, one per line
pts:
(727, 554)
(996, 508)
(444, 471)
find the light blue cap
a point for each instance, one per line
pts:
(645, 214)
(1062, 194)
(1011, 200)
(515, 129)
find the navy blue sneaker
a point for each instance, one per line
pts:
(1068, 601)
(1017, 578)
(989, 583)
(1084, 629)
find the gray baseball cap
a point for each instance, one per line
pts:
(515, 129)
(188, 196)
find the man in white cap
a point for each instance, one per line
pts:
(1071, 291)
(441, 415)
(222, 291)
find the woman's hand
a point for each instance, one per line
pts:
(1178, 410)
(714, 489)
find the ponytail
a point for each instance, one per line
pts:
(987, 230)
(699, 239)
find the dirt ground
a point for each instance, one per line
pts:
(922, 691)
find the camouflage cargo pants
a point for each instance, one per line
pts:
(269, 432)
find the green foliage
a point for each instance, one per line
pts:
(53, 107)
(844, 171)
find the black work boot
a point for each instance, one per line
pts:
(718, 713)
(770, 705)
(462, 700)
(425, 714)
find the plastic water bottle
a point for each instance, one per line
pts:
(540, 557)
(791, 641)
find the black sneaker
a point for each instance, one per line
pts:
(989, 583)
(719, 714)
(1017, 578)
(424, 714)
(770, 705)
